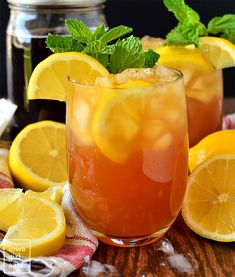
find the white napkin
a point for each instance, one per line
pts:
(7, 110)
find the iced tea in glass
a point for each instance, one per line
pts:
(128, 153)
(203, 87)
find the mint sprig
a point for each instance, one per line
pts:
(190, 28)
(108, 47)
(223, 25)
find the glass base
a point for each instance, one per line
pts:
(130, 242)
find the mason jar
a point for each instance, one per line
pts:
(28, 26)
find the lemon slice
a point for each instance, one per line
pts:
(10, 205)
(183, 57)
(54, 193)
(39, 231)
(221, 142)
(116, 125)
(38, 156)
(221, 52)
(50, 77)
(209, 205)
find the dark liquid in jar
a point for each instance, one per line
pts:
(23, 56)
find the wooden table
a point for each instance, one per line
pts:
(202, 257)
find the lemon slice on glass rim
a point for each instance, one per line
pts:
(49, 79)
(220, 51)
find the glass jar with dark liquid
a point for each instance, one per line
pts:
(29, 23)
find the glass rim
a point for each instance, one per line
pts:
(179, 76)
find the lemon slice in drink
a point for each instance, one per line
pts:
(115, 125)
(50, 77)
(218, 143)
(38, 156)
(220, 51)
(209, 205)
(39, 231)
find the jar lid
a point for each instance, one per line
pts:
(56, 2)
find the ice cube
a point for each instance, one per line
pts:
(82, 122)
(172, 116)
(150, 75)
(152, 42)
(163, 142)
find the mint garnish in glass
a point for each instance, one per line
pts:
(108, 47)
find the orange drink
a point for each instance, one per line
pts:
(203, 88)
(127, 153)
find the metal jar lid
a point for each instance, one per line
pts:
(80, 3)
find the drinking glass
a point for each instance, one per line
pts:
(203, 88)
(128, 154)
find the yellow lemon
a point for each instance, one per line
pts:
(10, 205)
(50, 77)
(221, 142)
(38, 156)
(220, 51)
(39, 230)
(209, 204)
(181, 57)
(54, 193)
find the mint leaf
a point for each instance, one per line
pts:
(128, 54)
(115, 33)
(59, 44)
(98, 32)
(230, 36)
(151, 58)
(189, 27)
(78, 30)
(185, 33)
(181, 11)
(224, 25)
(99, 51)
(122, 54)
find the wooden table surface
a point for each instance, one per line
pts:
(179, 253)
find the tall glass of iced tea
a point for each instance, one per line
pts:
(127, 153)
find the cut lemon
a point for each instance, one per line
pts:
(10, 206)
(209, 204)
(220, 51)
(50, 77)
(38, 156)
(54, 193)
(183, 57)
(39, 231)
(221, 142)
